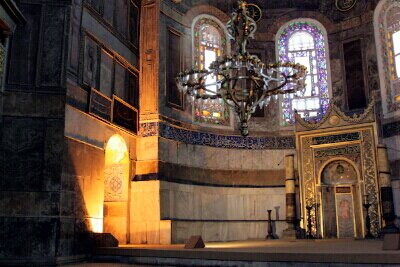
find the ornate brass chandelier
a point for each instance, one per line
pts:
(241, 79)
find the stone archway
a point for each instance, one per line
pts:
(116, 176)
(340, 200)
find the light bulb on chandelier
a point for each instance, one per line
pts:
(241, 79)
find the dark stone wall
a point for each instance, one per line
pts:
(31, 135)
(167, 23)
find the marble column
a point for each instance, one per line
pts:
(290, 232)
(386, 189)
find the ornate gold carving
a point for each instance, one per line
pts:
(369, 166)
(353, 139)
(337, 151)
(333, 110)
(308, 179)
(334, 120)
(113, 183)
(345, 5)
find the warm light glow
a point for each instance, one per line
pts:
(97, 225)
(206, 113)
(238, 244)
(117, 149)
(397, 98)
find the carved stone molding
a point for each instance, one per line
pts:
(335, 117)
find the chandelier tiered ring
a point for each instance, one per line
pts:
(242, 80)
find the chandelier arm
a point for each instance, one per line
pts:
(233, 98)
(242, 81)
(257, 80)
(279, 87)
(227, 101)
(262, 98)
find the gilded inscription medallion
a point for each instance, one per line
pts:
(345, 5)
(334, 120)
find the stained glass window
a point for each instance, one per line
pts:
(387, 36)
(209, 44)
(396, 53)
(304, 42)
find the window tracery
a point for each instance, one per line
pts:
(304, 42)
(209, 43)
(387, 36)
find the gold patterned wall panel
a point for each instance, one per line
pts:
(308, 182)
(370, 174)
(351, 140)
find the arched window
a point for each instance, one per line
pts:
(209, 43)
(305, 42)
(387, 35)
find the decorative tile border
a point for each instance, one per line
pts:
(148, 129)
(391, 129)
(214, 140)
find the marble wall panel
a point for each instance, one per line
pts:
(145, 199)
(236, 206)
(115, 220)
(147, 148)
(163, 150)
(223, 231)
(173, 152)
(138, 233)
(214, 231)
(393, 143)
(166, 196)
(396, 196)
(199, 155)
(258, 160)
(184, 204)
(193, 202)
(221, 158)
(153, 232)
(182, 153)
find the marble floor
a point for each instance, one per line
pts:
(255, 253)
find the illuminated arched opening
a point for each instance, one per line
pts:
(340, 210)
(116, 177)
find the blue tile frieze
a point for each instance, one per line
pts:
(214, 140)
